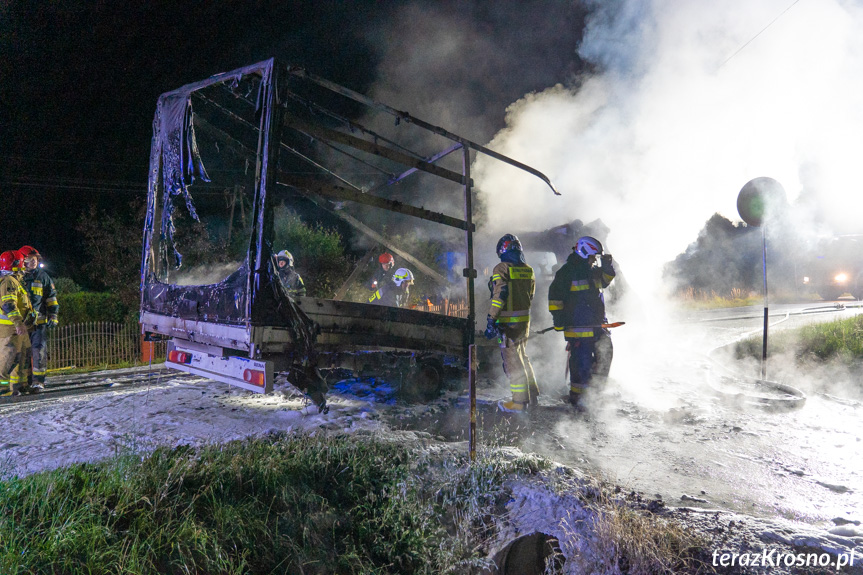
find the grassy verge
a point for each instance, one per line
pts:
(277, 505)
(306, 505)
(838, 341)
(703, 299)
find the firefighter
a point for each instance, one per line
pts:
(512, 286)
(15, 310)
(382, 283)
(577, 305)
(403, 280)
(291, 280)
(43, 297)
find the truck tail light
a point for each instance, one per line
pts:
(254, 377)
(175, 356)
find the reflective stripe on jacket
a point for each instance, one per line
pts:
(14, 304)
(575, 296)
(43, 295)
(513, 286)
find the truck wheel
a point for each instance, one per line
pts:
(423, 382)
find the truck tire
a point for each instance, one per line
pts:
(423, 382)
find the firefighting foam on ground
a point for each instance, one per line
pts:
(688, 104)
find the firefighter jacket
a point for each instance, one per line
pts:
(43, 295)
(15, 308)
(292, 281)
(512, 286)
(575, 296)
(383, 287)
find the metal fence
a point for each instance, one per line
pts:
(454, 308)
(98, 343)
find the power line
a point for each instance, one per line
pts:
(32, 159)
(128, 188)
(759, 34)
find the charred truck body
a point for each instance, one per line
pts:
(233, 156)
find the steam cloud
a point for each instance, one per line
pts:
(691, 101)
(679, 105)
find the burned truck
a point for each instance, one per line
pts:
(234, 155)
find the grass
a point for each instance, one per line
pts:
(698, 299)
(300, 504)
(692, 298)
(632, 542)
(838, 341)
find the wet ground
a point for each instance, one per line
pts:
(660, 427)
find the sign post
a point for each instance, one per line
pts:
(757, 201)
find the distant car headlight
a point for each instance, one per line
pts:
(806, 279)
(841, 278)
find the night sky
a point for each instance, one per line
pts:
(81, 80)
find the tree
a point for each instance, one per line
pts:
(113, 243)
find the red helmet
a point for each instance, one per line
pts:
(386, 258)
(10, 261)
(27, 251)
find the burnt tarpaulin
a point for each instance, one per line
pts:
(223, 302)
(191, 171)
(181, 162)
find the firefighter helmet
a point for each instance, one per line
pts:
(287, 256)
(402, 275)
(10, 261)
(588, 246)
(27, 251)
(386, 258)
(508, 243)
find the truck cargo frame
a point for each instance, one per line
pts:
(246, 315)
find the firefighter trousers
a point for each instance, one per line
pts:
(589, 358)
(14, 362)
(39, 347)
(519, 371)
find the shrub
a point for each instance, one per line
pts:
(319, 255)
(66, 286)
(83, 307)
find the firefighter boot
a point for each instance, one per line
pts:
(512, 406)
(9, 389)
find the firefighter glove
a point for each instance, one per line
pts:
(557, 317)
(20, 329)
(491, 330)
(606, 260)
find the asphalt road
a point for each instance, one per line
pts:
(660, 427)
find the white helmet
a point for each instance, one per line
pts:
(286, 255)
(588, 246)
(402, 275)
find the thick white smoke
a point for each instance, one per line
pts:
(690, 101)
